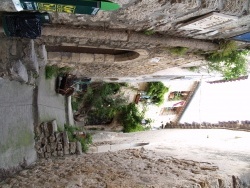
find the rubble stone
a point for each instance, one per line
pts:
(72, 147)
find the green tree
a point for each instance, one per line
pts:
(229, 61)
(157, 90)
(131, 118)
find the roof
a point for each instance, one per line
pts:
(231, 80)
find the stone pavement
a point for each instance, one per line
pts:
(50, 104)
(21, 108)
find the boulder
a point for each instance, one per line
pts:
(19, 72)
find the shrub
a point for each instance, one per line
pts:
(131, 118)
(73, 137)
(157, 90)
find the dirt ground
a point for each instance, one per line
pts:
(128, 168)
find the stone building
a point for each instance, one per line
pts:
(134, 40)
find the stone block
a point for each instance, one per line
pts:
(52, 126)
(86, 58)
(19, 72)
(68, 44)
(59, 147)
(53, 146)
(44, 141)
(99, 58)
(54, 154)
(48, 149)
(66, 56)
(58, 137)
(60, 153)
(78, 148)
(109, 58)
(47, 155)
(13, 48)
(75, 57)
(66, 149)
(30, 56)
(65, 138)
(52, 139)
(72, 147)
(56, 56)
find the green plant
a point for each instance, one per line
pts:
(131, 118)
(73, 137)
(102, 102)
(157, 90)
(178, 50)
(149, 32)
(53, 71)
(229, 61)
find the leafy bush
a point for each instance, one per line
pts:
(131, 118)
(73, 137)
(100, 104)
(157, 90)
(53, 71)
(232, 63)
(178, 50)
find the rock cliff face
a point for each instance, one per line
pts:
(127, 168)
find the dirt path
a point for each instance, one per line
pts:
(226, 149)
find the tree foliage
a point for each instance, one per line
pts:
(157, 90)
(100, 105)
(131, 118)
(232, 63)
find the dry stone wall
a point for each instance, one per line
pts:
(52, 143)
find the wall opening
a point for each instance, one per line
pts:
(119, 55)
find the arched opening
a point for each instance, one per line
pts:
(119, 55)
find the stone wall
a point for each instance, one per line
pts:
(52, 143)
(154, 54)
(20, 59)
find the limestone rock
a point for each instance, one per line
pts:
(65, 138)
(19, 72)
(52, 126)
(78, 148)
(30, 57)
(72, 147)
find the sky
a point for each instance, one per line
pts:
(219, 102)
